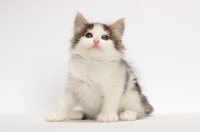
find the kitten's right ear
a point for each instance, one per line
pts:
(79, 23)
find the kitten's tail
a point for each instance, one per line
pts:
(148, 109)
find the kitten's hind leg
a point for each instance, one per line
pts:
(78, 115)
(130, 107)
(128, 116)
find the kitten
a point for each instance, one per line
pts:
(100, 81)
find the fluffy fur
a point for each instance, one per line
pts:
(100, 81)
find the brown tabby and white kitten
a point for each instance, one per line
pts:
(100, 81)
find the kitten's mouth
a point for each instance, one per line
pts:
(95, 47)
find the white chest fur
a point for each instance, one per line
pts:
(89, 78)
(91, 71)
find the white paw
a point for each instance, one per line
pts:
(76, 115)
(56, 117)
(128, 116)
(107, 117)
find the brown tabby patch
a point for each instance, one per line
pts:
(117, 41)
(77, 36)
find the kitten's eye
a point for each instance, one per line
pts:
(89, 35)
(104, 37)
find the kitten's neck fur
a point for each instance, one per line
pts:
(86, 57)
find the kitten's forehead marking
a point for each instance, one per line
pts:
(98, 29)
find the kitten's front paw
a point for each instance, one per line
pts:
(107, 117)
(56, 117)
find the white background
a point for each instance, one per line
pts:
(162, 39)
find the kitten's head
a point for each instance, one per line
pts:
(97, 41)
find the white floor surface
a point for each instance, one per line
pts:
(154, 123)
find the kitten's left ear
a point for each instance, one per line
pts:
(79, 23)
(118, 28)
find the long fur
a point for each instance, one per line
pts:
(100, 81)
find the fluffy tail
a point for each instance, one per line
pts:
(148, 109)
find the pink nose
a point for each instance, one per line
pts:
(96, 41)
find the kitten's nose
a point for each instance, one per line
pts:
(96, 41)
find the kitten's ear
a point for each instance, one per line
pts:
(79, 23)
(118, 28)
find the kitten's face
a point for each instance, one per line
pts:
(97, 41)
